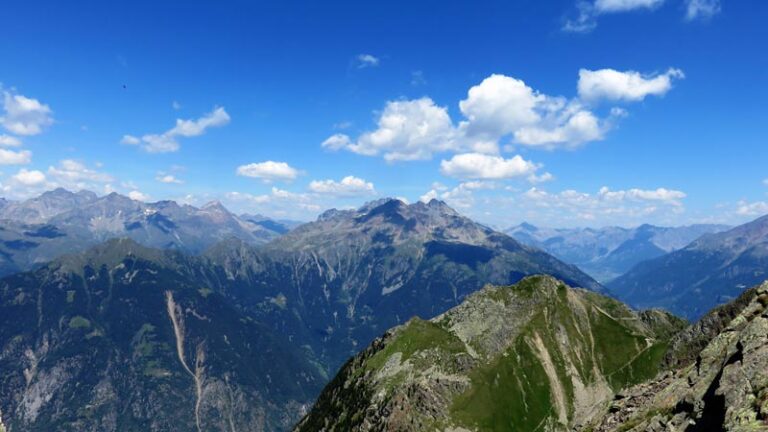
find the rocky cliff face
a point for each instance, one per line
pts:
(124, 338)
(723, 387)
(534, 356)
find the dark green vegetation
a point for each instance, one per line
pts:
(109, 356)
(712, 270)
(90, 340)
(536, 355)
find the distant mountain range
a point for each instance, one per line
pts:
(712, 270)
(240, 337)
(37, 230)
(607, 253)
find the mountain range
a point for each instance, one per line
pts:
(540, 356)
(239, 337)
(37, 230)
(609, 252)
(712, 270)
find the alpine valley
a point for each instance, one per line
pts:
(123, 336)
(119, 315)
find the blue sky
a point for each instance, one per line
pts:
(561, 113)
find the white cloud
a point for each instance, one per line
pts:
(130, 140)
(348, 186)
(10, 157)
(701, 9)
(543, 178)
(765, 182)
(407, 130)
(25, 116)
(168, 178)
(73, 174)
(29, 177)
(429, 196)
(758, 208)
(611, 6)
(9, 141)
(588, 11)
(138, 196)
(337, 142)
(175, 105)
(661, 194)
(269, 171)
(482, 166)
(461, 196)
(631, 86)
(499, 108)
(367, 60)
(167, 142)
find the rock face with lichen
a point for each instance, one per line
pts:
(722, 384)
(537, 355)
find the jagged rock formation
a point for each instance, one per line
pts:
(534, 356)
(723, 387)
(606, 253)
(712, 270)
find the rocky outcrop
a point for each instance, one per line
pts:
(536, 355)
(722, 387)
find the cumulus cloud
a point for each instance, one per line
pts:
(167, 141)
(23, 115)
(502, 108)
(9, 141)
(461, 196)
(605, 207)
(29, 177)
(367, 60)
(69, 174)
(701, 9)
(138, 195)
(630, 86)
(168, 178)
(407, 130)
(349, 186)
(10, 157)
(278, 203)
(588, 11)
(269, 171)
(757, 208)
(661, 194)
(482, 166)
(612, 6)
(76, 175)
(541, 178)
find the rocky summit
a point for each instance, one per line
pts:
(721, 387)
(537, 355)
